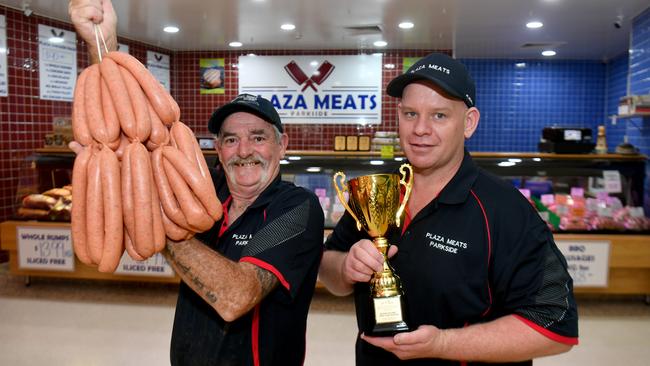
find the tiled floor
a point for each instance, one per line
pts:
(74, 323)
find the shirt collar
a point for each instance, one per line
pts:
(264, 198)
(457, 190)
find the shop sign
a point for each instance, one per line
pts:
(587, 260)
(156, 266)
(45, 248)
(316, 89)
(57, 63)
(158, 65)
(4, 86)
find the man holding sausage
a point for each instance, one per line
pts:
(483, 278)
(247, 283)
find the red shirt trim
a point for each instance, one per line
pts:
(572, 341)
(269, 268)
(255, 335)
(489, 237)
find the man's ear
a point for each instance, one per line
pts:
(471, 121)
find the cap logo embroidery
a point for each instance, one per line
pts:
(434, 67)
(246, 98)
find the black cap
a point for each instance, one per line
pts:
(442, 70)
(245, 103)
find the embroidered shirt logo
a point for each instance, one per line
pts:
(445, 244)
(241, 239)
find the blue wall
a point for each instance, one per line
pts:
(517, 101)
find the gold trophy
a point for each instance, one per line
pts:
(374, 203)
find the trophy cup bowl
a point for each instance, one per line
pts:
(374, 203)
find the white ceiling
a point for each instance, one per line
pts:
(579, 29)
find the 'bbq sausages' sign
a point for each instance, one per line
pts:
(316, 89)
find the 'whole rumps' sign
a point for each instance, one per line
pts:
(316, 89)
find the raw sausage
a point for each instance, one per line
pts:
(155, 92)
(128, 244)
(78, 216)
(92, 103)
(110, 117)
(80, 129)
(139, 105)
(197, 218)
(119, 95)
(173, 231)
(156, 212)
(94, 209)
(165, 193)
(143, 239)
(112, 197)
(127, 198)
(201, 187)
(159, 133)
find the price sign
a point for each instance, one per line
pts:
(45, 249)
(588, 261)
(156, 266)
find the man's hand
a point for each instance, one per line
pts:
(85, 13)
(363, 260)
(424, 342)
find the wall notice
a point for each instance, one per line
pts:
(57, 63)
(45, 248)
(587, 260)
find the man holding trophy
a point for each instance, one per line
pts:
(478, 277)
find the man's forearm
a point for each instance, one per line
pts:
(231, 288)
(506, 339)
(331, 275)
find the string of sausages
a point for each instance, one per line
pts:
(140, 175)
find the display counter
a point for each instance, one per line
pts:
(601, 261)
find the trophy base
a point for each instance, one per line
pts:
(388, 316)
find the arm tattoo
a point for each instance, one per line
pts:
(191, 277)
(268, 281)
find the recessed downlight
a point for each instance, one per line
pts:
(235, 44)
(287, 26)
(406, 25)
(171, 29)
(380, 43)
(534, 24)
(548, 53)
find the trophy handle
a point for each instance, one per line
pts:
(340, 191)
(408, 185)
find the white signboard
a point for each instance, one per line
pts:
(57, 60)
(316, 89)
(45, 248)
(123, 47)
(156, 266)
(4, 84)
(612, 181)
(158, 65)
(588, 261)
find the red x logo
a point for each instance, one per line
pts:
(296, 73)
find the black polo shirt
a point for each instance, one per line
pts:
(475, 253)
(282, 232)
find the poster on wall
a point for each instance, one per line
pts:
(408, 62)
(57, 62)
(158, 65)
(4, 84)
(123, 47)
(211, 72)
(316, 89)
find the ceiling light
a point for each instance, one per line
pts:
(534, 24)
(235, 44)
(56, 40)
(548, 53)
(380, 43)
(520, 65)
(287, 26)
(171, 29)
(406, 25)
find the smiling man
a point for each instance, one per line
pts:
(248, 282)
(483, 278)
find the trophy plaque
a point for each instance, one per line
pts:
(374, 203)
